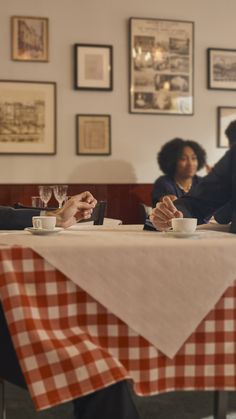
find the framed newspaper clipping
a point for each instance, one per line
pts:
(161, 66)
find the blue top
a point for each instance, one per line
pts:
(165, 185)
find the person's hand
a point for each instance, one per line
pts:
(172, 197)
(208, 168)
(77, 208)
(162, 214)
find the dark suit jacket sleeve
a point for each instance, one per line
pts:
(224, 214)
(16, 219)
(214, 191)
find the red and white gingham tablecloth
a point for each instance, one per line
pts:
(69, 345)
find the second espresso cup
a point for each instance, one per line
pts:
(184, 225)
(43, 222)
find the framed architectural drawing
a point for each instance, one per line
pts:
(29, 38)
(27, 117)
(93, 135)
(161, 66)
(221, 69)
(225, 115)
(93, 67)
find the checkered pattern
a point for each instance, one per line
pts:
(69, 345)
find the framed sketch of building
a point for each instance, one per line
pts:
(27, 117)
(221, 69)
(161, 66)
(29, 38)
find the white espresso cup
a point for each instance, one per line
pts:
(43, 222)
(184, 225)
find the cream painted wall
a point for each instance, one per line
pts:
(135, 138)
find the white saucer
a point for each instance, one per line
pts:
(180, 235)
(43, 231)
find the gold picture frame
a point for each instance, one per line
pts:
(30, 38)
(93, 135)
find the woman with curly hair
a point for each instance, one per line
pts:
(179, 160)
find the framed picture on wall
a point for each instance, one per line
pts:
(161, 66)
(93, 135)
(225, 115)
(93, 67)
(221, 69)
(29, 38)
(27, 117)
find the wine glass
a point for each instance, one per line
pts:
(45, 193)
(60, 193)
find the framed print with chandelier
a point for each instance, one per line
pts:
(27, 117)
(225, 115)
(161, 66)
(93, 135)
(29, 38)
(221, 69)
(93, 67)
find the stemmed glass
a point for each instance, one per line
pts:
(45, 193)
(60, 193)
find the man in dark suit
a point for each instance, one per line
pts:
(112, 402)
(216, 190)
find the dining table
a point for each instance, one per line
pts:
(92, 305)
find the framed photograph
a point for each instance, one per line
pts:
(29, 38)
(161, 66)
(93, 135)
(225, 115)
(93, 67)
(27, 117)
(221, 69)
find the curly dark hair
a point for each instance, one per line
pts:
(172, 151)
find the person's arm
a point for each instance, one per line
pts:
(214, 191)
(77, 208)
(224, 214)
(16, 219)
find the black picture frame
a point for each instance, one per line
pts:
(225, 115)
(93, 69)
(93, 135)
(221, 69)
(161, 66)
